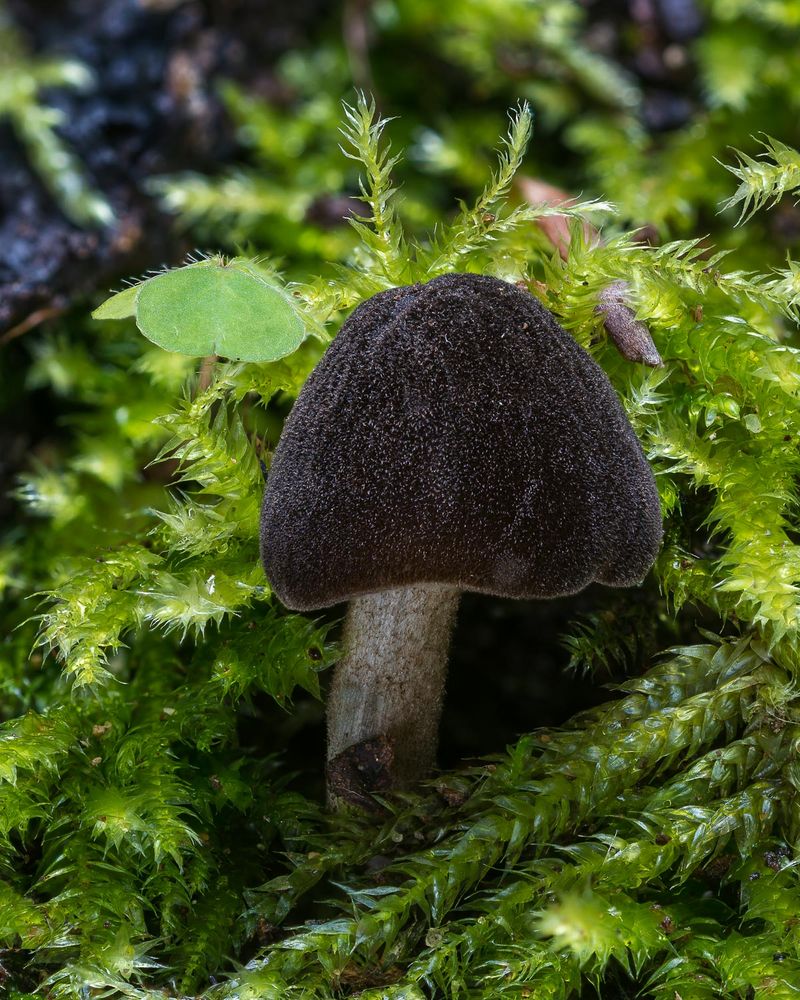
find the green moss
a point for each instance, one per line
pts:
(153, 841)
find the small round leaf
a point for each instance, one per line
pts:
(214, 307)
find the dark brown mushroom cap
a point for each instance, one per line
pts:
(453, 432)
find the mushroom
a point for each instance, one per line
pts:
(453, 437)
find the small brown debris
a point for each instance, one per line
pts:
(630, 335)
(776, 859)
(359, 771)
(667, 925)
(266, 933)
(554, 227)
(452, 796)
(354, 979)
(646, 235)
(717, 869)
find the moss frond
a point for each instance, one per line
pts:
(765, 180)
(158, 824)
(382, 251)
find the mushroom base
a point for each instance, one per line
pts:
(386, 696)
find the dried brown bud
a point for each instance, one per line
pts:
(630, 335)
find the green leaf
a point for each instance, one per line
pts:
(214, 307)
(119, 306)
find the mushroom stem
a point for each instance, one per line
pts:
(386, 696)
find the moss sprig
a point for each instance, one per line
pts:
(152, 831)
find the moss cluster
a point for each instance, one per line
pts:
(154, 839)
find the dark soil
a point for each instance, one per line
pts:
(153, 109)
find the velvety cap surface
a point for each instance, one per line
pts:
(453, 432)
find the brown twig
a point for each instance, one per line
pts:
(31, 321)
(206, 375)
